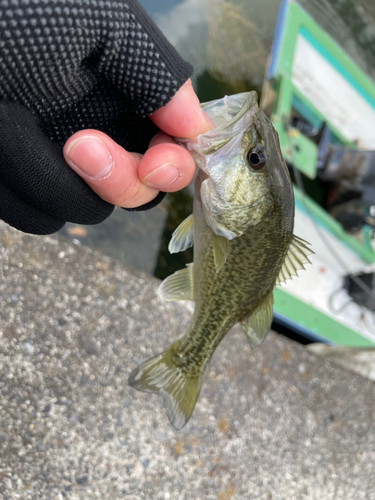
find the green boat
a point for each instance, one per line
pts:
(322, 104)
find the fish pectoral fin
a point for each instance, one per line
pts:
(183, 236)
(179, 390)
(220, 249)
(178, 286)
(257, 324)
(295, 259)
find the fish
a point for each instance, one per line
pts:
(242, 231)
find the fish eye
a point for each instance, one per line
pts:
(256, 158)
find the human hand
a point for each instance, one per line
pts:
(128, 179)
(66, 68)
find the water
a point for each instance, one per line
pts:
(228, 44)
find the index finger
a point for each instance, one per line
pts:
(182, 116)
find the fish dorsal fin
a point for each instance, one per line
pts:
(178, 286)
(295, 259)
(183, 236)
(220, 249)
(258, 323)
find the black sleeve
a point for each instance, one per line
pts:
(67, 65)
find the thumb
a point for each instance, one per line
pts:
(182, 116)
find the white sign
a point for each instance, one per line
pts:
(328, 90)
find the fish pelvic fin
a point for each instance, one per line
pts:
(179, 390)
(295, 259)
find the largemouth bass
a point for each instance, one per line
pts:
(242, 231)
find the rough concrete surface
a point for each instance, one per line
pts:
(273, 424)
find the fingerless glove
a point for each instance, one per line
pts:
(68, 65)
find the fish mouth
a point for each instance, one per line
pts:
(225, 112)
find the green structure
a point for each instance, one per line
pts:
(321, 103)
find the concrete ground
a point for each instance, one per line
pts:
(273, 424)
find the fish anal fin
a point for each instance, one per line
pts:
(183, 236)
(178, 286)
(257, 324)
(162, 375)
(295, 259)
(220, 249)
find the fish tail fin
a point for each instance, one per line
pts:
(164, 375)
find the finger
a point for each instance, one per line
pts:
(161, 138)
(168, 165)
(127, 179)
(182, 116)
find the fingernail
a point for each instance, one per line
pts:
(163, 176)
(89, 156)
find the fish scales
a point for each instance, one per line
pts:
(226, 294)
(242, 230)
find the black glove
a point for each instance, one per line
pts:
(67, 65)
